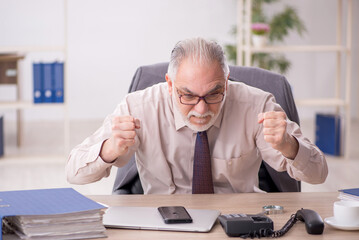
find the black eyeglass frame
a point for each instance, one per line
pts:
(199, 98)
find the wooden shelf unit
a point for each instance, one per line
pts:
(20, 104)
(245, 48)
(27, 105)
(298, 48)
(35, 48)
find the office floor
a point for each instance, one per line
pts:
(41, 160)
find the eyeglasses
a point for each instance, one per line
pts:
(188, 99)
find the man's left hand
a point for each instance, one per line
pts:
(275, 133)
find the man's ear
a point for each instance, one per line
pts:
(169, 82)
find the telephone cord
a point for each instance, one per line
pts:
(267, 232)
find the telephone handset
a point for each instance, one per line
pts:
(313, 222)
(244, 226)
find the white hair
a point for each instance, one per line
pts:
(201, 51)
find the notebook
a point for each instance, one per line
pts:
(150, 219)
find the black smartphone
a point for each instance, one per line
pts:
(175, 214)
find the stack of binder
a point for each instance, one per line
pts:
(48, 82)
(50, 214)
(351, 194)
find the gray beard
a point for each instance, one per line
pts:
(191, 126)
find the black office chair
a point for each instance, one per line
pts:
(127, 179)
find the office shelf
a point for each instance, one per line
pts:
(245, 51)
(28, 105)
(20, 104)
(298, 48)
(34, 48)
(323, 102)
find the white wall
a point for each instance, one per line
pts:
(108, 40)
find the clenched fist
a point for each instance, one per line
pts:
(122, 137)
(275, 133)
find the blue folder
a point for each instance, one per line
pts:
(44, 202)
(48, 87)
(351, 191)
(327, 133)
(58, 82)
(38, 87)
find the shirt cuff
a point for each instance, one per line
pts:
(95, 156)
(300, 161)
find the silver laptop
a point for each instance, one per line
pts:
(149, 218)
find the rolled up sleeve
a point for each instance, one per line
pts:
(85, 165)
(309, 165)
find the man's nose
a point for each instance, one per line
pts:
(201, 107)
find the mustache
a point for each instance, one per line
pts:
(198, 115)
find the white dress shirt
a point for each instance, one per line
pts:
(164, 145)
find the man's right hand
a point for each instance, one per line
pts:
(122, 137)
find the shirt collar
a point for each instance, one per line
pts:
(218, 121)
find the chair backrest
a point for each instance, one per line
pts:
(127, 180)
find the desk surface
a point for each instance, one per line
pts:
(249, 203)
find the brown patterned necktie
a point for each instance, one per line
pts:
(202, 171)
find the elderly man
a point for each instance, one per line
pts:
(198, 132)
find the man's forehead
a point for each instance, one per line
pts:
(193, 91)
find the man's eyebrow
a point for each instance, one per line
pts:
(217, 87)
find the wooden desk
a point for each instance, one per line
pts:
(232, 203)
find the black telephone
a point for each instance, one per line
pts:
(243, 225)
